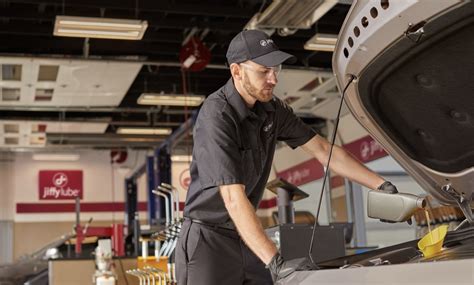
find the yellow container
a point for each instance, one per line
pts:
(432, 243)
(151, 261)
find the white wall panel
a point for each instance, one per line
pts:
(102, 182)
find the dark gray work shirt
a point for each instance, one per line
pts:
(234, 144)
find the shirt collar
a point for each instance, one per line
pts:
(236, 101)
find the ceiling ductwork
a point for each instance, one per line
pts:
(65, 84)
(288, 16)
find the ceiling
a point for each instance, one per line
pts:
(26, 34)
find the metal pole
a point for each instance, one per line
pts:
(328, 195)
(130, 204)
(78, 211)
(150, 173)
(286, 214)
(136, 234)
(78, 228)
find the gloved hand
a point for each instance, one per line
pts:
(389, 188)
(281, 269)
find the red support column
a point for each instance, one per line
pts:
(117, 239)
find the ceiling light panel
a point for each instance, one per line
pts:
(55, 157)
(11, 72)
(297, 83)
(102, 28)
(144, 131)
(48, 73)
(322, 42)
(293, 14)
(170, 99)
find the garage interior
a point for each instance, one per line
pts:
(98, 100)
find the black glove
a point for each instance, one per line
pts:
(389, 188)
(281, 269)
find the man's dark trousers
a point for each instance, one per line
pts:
(207, 255)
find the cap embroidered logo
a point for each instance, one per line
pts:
(266, 42)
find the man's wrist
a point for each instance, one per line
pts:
(272, 260)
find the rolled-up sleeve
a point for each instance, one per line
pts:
(217, 150)
(291, 129)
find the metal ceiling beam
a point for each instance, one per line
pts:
(80, 109)
(144, 124)
(151, 36)
(114, 117)
(154, 18)
(107, 138)
(102, 141)
(89, 137)
(106, 145)
(125, 59)
(177, 7)
(108, 47)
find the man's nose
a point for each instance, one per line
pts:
(272, 78)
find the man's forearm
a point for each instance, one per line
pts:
(245, 219)
(342, 162)
(347, 166)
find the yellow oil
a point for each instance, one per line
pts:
(428, 221)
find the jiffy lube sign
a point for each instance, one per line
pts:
(60, 184)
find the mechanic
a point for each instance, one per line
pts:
(222, 240)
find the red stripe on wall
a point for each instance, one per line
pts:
(25, 208)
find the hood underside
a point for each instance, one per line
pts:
(413, 90)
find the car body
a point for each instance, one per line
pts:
(407, 70)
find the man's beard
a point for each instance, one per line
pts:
(260, 95)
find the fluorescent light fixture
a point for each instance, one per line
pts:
(170, 99)
(55, 157)
(181, 158)
(144, 131)
(101, 28)
(292, 14)
(322, 42)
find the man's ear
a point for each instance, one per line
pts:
(236, 71)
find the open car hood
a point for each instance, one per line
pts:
(412, 64)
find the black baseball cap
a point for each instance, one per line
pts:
(258, 47)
